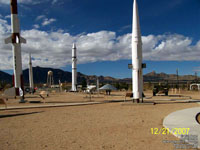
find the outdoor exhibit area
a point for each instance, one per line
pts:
(99, 126)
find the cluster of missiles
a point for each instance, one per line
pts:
(16, 40)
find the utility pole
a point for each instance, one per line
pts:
(195, 76)
(177, 79)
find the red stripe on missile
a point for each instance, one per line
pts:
(13, 6)
(15, 37)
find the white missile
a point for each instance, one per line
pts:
(97, 84)
(16, 41)
(31, 84)
(74, 68)
(137, 75)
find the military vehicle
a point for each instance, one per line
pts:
(160, 89)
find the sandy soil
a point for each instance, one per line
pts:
(103, 126)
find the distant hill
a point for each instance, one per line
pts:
(5, 77)
(40, 76)
(157, 77)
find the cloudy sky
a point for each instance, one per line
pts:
(102, 32)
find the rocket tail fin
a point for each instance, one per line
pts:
(8, 40)
(22, 40)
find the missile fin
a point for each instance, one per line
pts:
(8, 40)
(22, 40)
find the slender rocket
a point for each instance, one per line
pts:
(97, 84)
(74, 68)
(137, 75)
(31, 74)
(16, 41)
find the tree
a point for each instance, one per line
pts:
(84, 84)
(2, 85)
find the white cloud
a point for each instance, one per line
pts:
(40, 17)
(4, 27)
(36, 26)
(7, 17)
(4, 2)
(125, 28)
(21, 1)
(53, 49)
(54, 1)
(47, 21)
(170, 47)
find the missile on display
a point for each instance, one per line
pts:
(97, 84)
(74, 69)
(137, 66)
(31, 84)
(16, 41)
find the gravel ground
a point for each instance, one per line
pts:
(92, 127)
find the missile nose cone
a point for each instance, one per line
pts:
(135, 14)
(29, 57)
(136, 24)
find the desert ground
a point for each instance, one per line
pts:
(116, 125)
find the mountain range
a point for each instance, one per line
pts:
(40, 77)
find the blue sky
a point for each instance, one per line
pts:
(102, 31)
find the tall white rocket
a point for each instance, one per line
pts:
(74, 68)
(16, 41)
(137, 75)
(31, 74)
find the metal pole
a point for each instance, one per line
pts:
(177, 86)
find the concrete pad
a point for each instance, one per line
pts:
(10, 92)
(140, 104)
(184, 119)
(175, 100)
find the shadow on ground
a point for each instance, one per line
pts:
(19, 114)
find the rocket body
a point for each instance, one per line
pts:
(97, 84)
(74, 69)
(16, 41)
(31, 84)
(137, 75)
